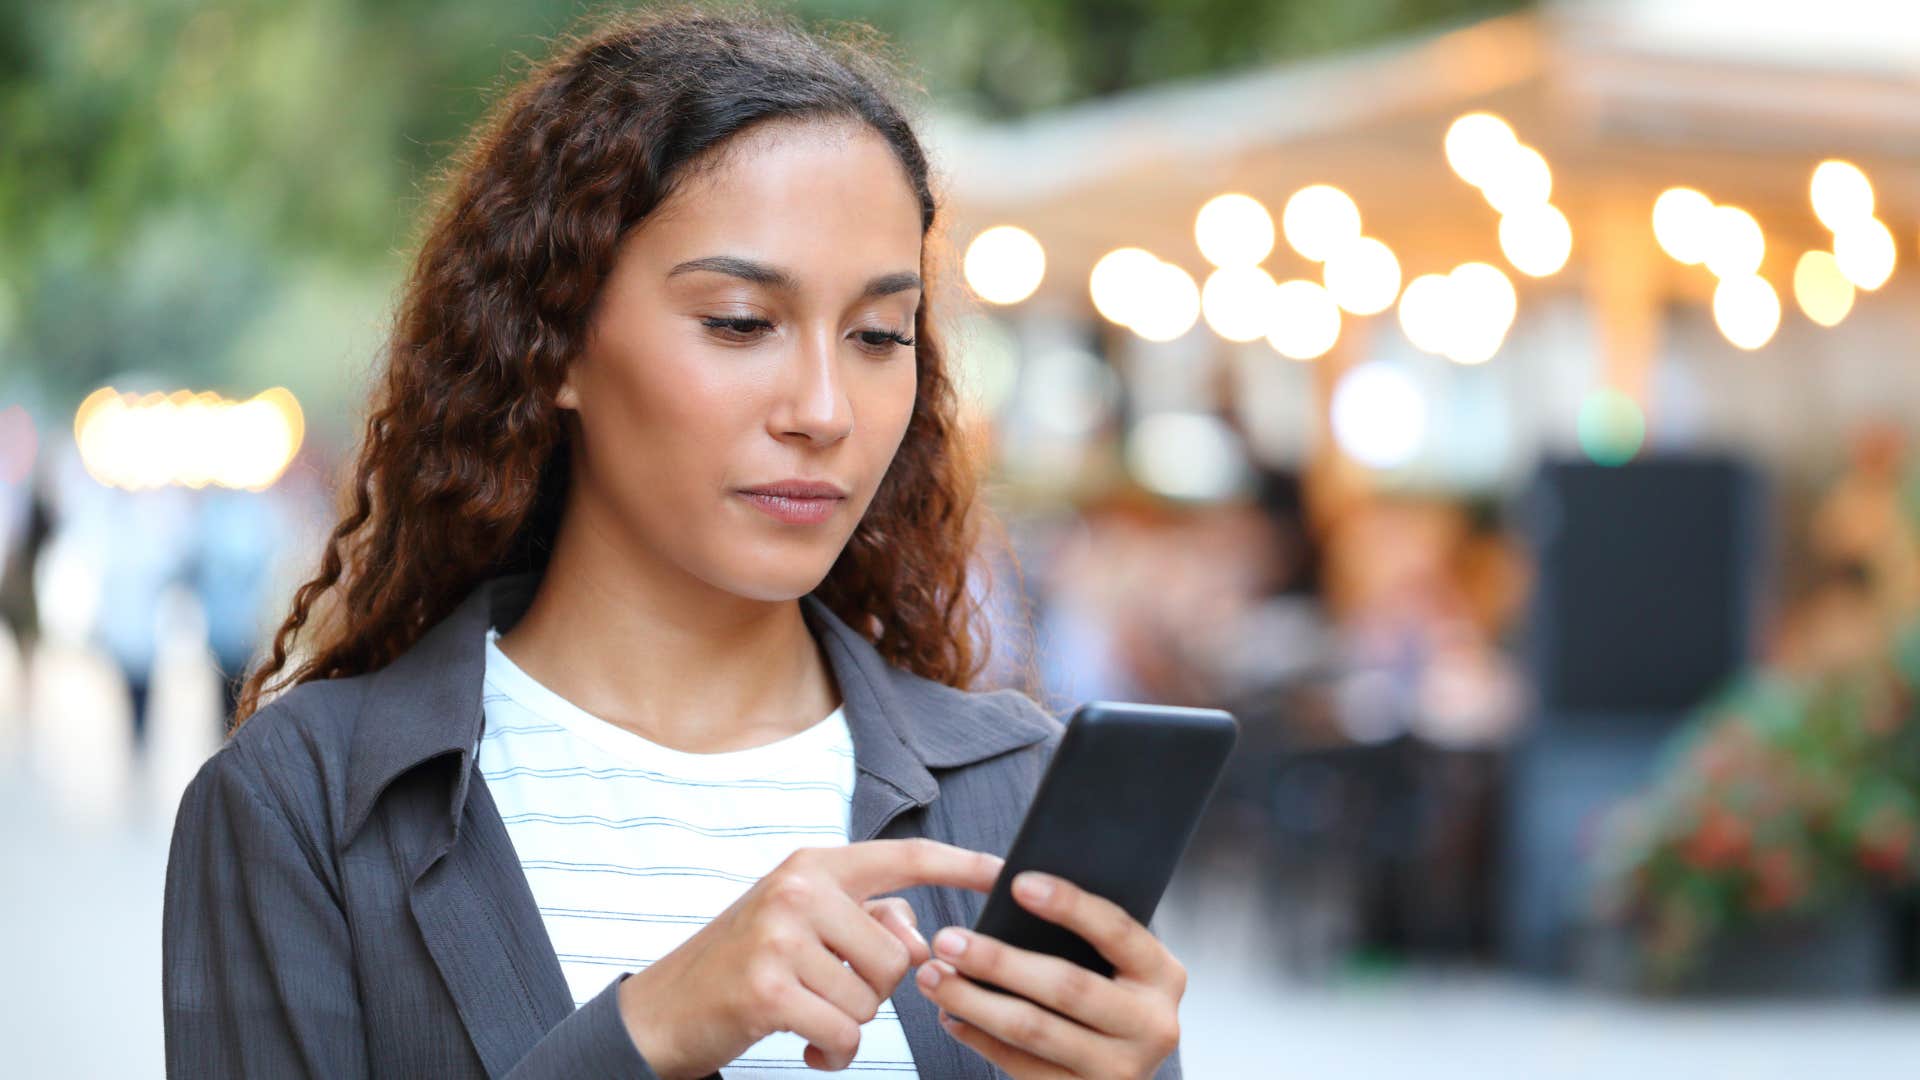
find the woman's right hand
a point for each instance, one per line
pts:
(773, 960)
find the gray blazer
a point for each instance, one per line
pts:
(342, 898)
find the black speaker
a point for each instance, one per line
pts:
(1646, 582)
(1644, 604)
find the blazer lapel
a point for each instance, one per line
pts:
(892, 779)
(478, 918)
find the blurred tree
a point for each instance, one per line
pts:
(176, 171)
(1001, 58)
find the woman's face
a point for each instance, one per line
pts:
(749, 335)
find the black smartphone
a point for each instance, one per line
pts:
(1113, 814)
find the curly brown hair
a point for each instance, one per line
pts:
(463, 463)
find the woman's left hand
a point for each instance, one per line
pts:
(1123, 1026)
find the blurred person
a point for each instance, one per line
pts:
(1418, 593)
(640, 666)
(1835, 627)
(19, 603)
(239, 534)
(1082, 623)
(143, 539)
(1863, 523)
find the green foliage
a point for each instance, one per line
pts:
(175, 168)
(1782, 797)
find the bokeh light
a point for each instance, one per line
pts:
(1735, 245)
(1306, 321)
(1004, 264)
(1477, 144)
(1318, 220)
(1747, 310)
(1238, 302)
(1521, 180)
(1611, 427)
(1424, 313)
(1185, 455)
(1120, 283)
(1865, 252)
(1842, 194)
(1536, 240)
(1823, 292)
(1463, 315)
(1379, 415)
(1170, 303)
(1363, 276)
(1483, 307)
(187, 439)
(1233, 230)
(1683, 224)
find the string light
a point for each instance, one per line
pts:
(1363, 276)
(1233, 230)
(1306, 321)
(1120, 281)
(1170, 304)
(1865, 253)
(1238, 302)
(1823, 292)
(1735, 245)
(1477, 144)
(1536, 240)
(1522, 180)
(1747, 310)
(1842, 194)
(1683, 224)
(1318, 220)
(1004, 264)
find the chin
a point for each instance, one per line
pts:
(774, 578)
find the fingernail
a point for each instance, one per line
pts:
(911, 929)
(1034, 885)
(929, 976)
(950, 942)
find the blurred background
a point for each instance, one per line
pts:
(1508, 410)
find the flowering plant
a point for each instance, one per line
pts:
(1779, 797)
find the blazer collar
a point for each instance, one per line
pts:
(426, 704)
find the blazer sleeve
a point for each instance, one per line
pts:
(591, 1041)
(258, 974)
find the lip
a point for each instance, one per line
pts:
(796, 502)
(798, 489)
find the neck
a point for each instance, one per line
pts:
(649, 648)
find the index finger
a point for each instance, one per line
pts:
(869, 867)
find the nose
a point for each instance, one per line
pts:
(814, 405)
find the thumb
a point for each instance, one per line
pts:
(897, 916)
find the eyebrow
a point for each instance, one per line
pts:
(776, 278)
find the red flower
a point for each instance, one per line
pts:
(1720, 841)
(1778, 880)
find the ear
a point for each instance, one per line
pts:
(567, 397)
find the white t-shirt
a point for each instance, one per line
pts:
(631, 847)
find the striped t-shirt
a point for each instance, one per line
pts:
(630, 847)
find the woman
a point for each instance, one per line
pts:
(637, 672)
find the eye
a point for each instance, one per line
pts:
(883, 341)
(744, 326)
